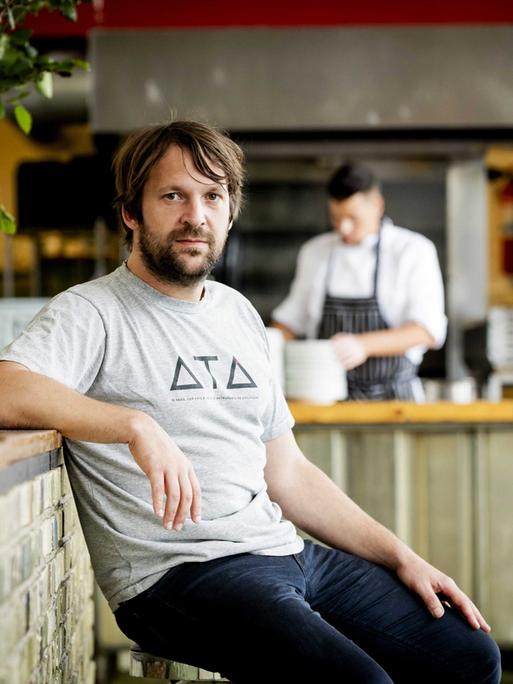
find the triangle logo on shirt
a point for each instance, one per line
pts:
(186, 370)
(236, 366)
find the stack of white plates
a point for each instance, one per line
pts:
(276, 345)
(313, 373)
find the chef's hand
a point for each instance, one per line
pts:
(349, 350)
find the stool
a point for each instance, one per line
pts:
(146, 665)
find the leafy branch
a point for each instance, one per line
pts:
(23, 68)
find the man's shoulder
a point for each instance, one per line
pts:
(96, 291)
(83, 300)
(319, 245)
(320, 241)
(401, 239)
(228, 299)
(222, 294)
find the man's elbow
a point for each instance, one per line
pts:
(10, 373)
(425, 337)
(431, 342)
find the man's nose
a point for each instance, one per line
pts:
(193, 212)
(345, 226)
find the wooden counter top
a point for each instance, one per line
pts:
(390, 412)
(16, 445)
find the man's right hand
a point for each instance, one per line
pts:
(169, 471)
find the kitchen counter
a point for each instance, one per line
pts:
(392, 412)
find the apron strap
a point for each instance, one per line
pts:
(329, 268)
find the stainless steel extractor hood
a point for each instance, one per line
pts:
(331, 79)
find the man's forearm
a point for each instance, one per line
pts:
(32, 400)
(395, 340)
(313, 502)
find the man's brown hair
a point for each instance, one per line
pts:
(141, 150)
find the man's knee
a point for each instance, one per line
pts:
(480, 663)
(488, 663)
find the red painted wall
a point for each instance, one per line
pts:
(117, 14)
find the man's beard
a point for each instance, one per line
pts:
(170, 266)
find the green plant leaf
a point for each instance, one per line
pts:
(2, 110)
(31, 51)
(19, 14)
(45, 84)
(23, 118)
(21, 35)
(7, 222)
(10, 19)
(69, 12)
(15, 99)
(4, 45)
(81, 64)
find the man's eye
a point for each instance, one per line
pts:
(213, 196)
(171, 195)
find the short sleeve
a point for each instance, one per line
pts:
(425, 303)
(65, 341)
(277, 417)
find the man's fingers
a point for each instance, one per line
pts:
(346, 358)
(183, 500)
(433, 603)
(184, 505)
(157, 494)
(482, 622)
(182, 494)
(196, 497)
(172, 499)
(462, 602)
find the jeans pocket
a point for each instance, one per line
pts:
(299, 560)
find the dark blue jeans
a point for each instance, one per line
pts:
(321, 613)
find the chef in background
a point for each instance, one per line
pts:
(372, 287)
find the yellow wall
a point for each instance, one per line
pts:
(500, 284)
(15, 148)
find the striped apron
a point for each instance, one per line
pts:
(382, 377)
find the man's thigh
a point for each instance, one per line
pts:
(369, 604)
(246, 617)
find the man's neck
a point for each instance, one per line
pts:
(189, 293)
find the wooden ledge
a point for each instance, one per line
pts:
(16, 445)
(390, 412)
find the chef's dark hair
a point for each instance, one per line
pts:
(351, 178)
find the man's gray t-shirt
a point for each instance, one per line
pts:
(202, 371)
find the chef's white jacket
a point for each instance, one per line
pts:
(410, 287)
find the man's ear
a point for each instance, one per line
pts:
(128, 219)
(380, 201)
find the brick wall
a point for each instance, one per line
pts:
(46, 583)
